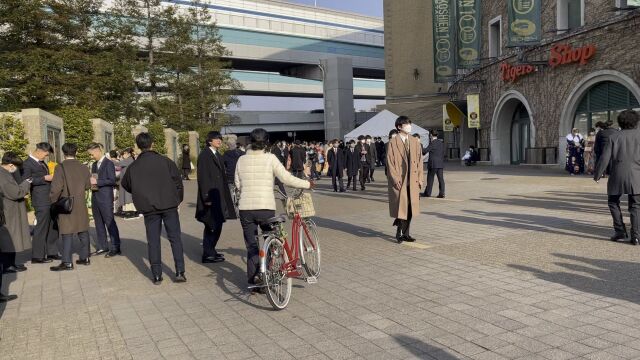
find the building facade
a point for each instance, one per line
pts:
(586, 69)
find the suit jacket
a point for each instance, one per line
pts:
(621, 151)
(39, 187)
(282, 155)
(298, 158)
(213, 187)
(352, 162)
(359, 148)
(230, 159)
(337, 162)
(77, 176)
(380, 149)
(374, 152)
(601, 140)
(436, 154)
(106, 182)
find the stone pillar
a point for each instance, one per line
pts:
(171, 143)
(103, 134)
(194, 144)
(135, 131)
(339, 117)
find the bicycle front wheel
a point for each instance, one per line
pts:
(310, 248)
(277, 281)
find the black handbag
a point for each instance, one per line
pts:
(64, 205)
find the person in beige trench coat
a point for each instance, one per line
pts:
(405, 177)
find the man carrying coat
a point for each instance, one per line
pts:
(335, 157)
(405, 178)
(215, 204)
(622, 155)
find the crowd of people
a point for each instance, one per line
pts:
(582, 153)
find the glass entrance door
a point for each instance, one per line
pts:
(520, 135)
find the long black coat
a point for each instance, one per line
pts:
(213, 187)
(352, 162)
(298, 157)
(621, 153)
(337, 162)
(365, 147)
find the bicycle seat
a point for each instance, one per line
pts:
(275, 220)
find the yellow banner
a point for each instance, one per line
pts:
(473, 109)
(447, 125)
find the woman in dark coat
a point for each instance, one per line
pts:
(72, 178)
(14, 235)
(186, 162)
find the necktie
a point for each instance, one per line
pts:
(45, 166)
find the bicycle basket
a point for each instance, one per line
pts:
(302, 205)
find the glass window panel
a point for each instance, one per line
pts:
(574, 14)
(599, 116)
(618, 96)
(598, 97)
(581, 122)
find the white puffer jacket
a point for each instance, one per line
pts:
(255, 172)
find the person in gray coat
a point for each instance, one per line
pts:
(71, 178)
(125, 200)
(14, 235)
(435, 165)
(621, 153)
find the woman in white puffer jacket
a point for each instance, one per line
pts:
(254, 179)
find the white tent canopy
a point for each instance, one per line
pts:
(380, 125)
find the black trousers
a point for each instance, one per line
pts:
(335, 180)
(430, 174)
(616, 214)
(105, 221)
(7, 259)
(185, 173)
(354, 179)
(371, 173)
(210, 238)
(364, 174)
(298, 173)
(67, 242)
(250, 220)
(45, 234)
(153, 224)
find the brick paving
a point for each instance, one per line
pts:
(513, 264)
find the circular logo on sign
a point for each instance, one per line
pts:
(447, 121)
(443, 50)
(468, 54)
(467, 33)
(523, 7)
(473, 116)
(444, 70)
(523, 27)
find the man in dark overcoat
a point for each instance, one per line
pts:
(337, 162)
(214, 205)
(435, 165)
(352, 164)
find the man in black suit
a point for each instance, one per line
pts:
(435, 165)
(374, 156)
(337, 162)
(352, 164)
(103, 180)
(380, 151)
(298, 158)
(602, 137)
(281, 151)
(363, 151)
(155, 183)
(45, 233)
(214, 205)
(621, 154)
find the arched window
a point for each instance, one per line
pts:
(603, 102)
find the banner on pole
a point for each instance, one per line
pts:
(444, 44)
(447, 125)
(473, 109)
(469, 33)
(524, 22)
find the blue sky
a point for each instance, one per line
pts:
(365, 7)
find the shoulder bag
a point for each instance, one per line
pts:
(64, 205)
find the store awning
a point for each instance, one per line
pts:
(457, 111)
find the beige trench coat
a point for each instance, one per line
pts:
(410, 175)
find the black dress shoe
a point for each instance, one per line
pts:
(342, 190)
(54, 257)
(212, 259)
(13, 269)
(5, 298)
(20, 267)
(99, 252)
(113, 253)
(409, 238)
(635, 241)
(440, 196)
(157, 279)
(180, 278)
(618, 236)
(425, 195)
(40, 261)
(62, 267)
(86, 261)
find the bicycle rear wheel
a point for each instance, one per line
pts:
(310, 248)
(276, 279)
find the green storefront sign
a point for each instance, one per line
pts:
(444, 40)
(469, 33)
(524, 22)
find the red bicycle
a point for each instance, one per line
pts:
(282, 260)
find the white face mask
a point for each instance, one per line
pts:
(394, 135)
(368, 141)
(13, 169)
(406, 128)
(352, 146)
(362, 141)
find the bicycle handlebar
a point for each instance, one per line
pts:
(297, 193)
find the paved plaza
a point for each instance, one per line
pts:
(513, 264)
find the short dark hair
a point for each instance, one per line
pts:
(402, 120)
(297, 142)
(259, 139)
(211, 135)
(628, 119)
(44, 146)
(416, 135)
(600, 125)
(334, 141)
(434, 133)
(471, 147)
(392, 132)
(144, 141)
(113, 154)
(369, 137)
(127, 151)
(11, 158)
(361, 137)
(352, 141)
(70, 149)
(94, 146)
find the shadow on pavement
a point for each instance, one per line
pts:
(136, 251)
(422, 350)
(525, 222)
(6, 280)
(608, 278)
(595, 203)
(354, 229)
(512, 170)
